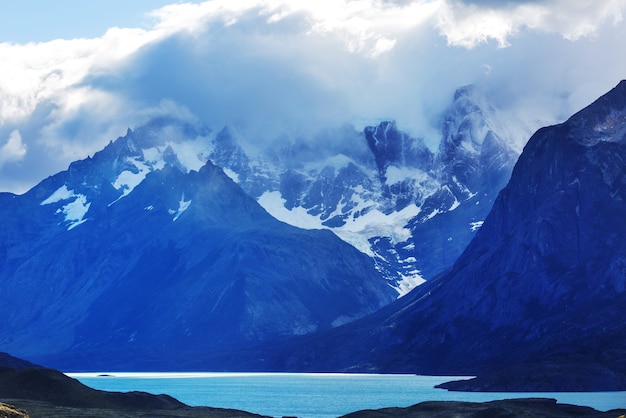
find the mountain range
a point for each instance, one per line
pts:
(124, 252)
(161, 252)
(149, 248)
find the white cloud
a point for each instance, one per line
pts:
(13, 149)
(470, 23)
(272, 66)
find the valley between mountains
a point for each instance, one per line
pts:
(178, 247)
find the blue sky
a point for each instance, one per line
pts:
(39, 20)
(75, 75)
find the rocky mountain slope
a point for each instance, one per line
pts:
(411, 208)
(536, 300)
(147, 250)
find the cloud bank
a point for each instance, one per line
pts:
(273, 67)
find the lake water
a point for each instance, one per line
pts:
(314, 395)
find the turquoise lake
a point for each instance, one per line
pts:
(314, 395)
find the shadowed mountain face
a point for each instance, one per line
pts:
(130, 261)
(541, 287)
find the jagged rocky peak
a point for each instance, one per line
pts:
(227, 153)
(466, 123)
(392, 147)
(471, 150)
(91, 185)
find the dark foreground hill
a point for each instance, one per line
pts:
(508, 408)
(43, 392)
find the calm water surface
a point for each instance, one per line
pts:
(314, 395)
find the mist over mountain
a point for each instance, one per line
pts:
(387, 193)
(161, 251)
(149, 247)
(535, 301)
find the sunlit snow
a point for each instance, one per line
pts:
(192, 155)
(432, 214)
(274, 204)
(409, 282)
(183, 205)
(356, 231)
(153, 157)
(63, 193)
(75, 210)
(231, 174)
(454, 204)
(128, 180)
(475, 226)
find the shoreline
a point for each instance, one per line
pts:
(416, 388)
(536, 407)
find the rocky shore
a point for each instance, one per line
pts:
(30, 391)
(508, 408)
(511, 408)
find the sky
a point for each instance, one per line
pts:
(75, 75)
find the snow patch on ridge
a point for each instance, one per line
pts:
(231, 174)
(409, 282)
(475, 226)
(154, 158)
(376, 224)
(75, 210)
(455, 204)
(183, 205)
(191, 154)
(274, 204)
(62, 193)
(127, 180)
(356, 231)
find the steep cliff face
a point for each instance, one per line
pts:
(472, 164)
